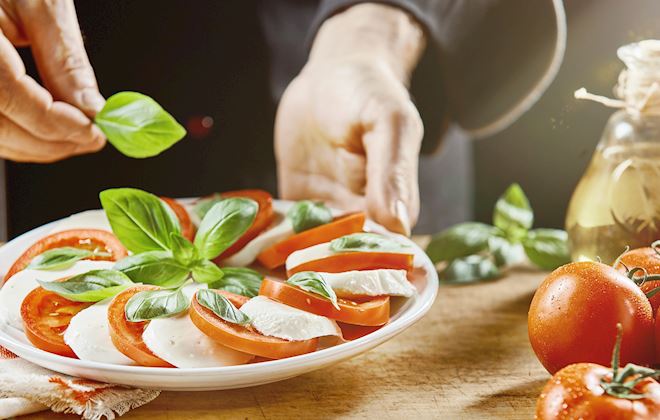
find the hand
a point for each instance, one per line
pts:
(39, 125)
(346, 130)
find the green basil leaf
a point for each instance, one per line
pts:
(137, 126)
(366, 242)
(183, 250)
(154, 267)
(460, 241)
(469, 269)
(140, 220)
(224, 223)
(91, 286)
(504, 252)
(222, 307)
(206, 272)
(203, 205)
(307, 214)
(313, 282)
(61, 258)
(239, 280)
(513, 214)
(547, 248)
(152, 304)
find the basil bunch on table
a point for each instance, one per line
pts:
(475, 251)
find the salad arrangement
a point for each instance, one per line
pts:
(153, 282)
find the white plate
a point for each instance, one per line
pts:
(405, 312)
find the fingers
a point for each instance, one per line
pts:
(392, 149)
(30, 106)
(54, 34)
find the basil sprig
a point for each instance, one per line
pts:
(91, 286)
(203, 205)
(222, 307)
(366, 242)
(63, 258)
(239, 280)
(138, 126)
(223, 224)
(313, 282)
(153, 304)
(476, 251)
(308, 214)
(159, 268)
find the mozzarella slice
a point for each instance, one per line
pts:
(278, 320)
(20, 284)
(90, 219)
(370, 283)
(318, 252)
(88, 335)
(280, 230)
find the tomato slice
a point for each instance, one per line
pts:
(347, 261)
(91, 239)
(246, 339)
(353, 332)
(127, 335)
(46, 316)
(187, 227)
(277, 254)
(373, 311)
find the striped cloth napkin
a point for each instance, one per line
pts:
(27, 388)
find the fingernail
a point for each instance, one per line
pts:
(401, 212)
(92, 100)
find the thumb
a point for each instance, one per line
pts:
(54, 35)
(392, 150)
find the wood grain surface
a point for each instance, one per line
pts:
(469, 358)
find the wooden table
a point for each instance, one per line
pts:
(469, 358)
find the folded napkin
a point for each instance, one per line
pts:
(27, 388)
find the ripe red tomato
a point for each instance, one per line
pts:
(574, 313)
(648, 259)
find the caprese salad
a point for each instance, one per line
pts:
(156, 282)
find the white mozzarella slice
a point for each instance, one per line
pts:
(280, 230)
(278, 320)
(312, 253)
(370, 283)
(90, 219)
(88, 335)
(20, 284)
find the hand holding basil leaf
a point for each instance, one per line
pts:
(239, 280)
(223, 224)
(307, 214)
(366, 242)
(154, 267)
(63, 258)
(222, 307)
(138, 126)
(141, 221)
(313, 282)
(92, 286)
(153, 304)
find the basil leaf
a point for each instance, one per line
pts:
(366, 242)
(137, 126)
(203, 205)
(152, 304)
(206, 272)
(313, 282)
(239, 280)
(547, 248)
(307, 214)
(460, 241)
(504, 252)
(140, 220)
(62, 258)
(154, 267)
(183, 250)
(469, 269)
(91, 286)
(222, 307)
(224, 223)
(513, 214)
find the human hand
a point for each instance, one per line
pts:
(346, 130)
(40, 124)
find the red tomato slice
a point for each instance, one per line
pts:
(347, 261)
(127, 335)
(353, 332)
(46, 315)
(277, 254)
(91, 239)
(372, 312)
(187, 227)
(245, 339)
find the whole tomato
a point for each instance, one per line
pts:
(574, 313)
(648, 259)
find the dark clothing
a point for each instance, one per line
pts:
(231, 61)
